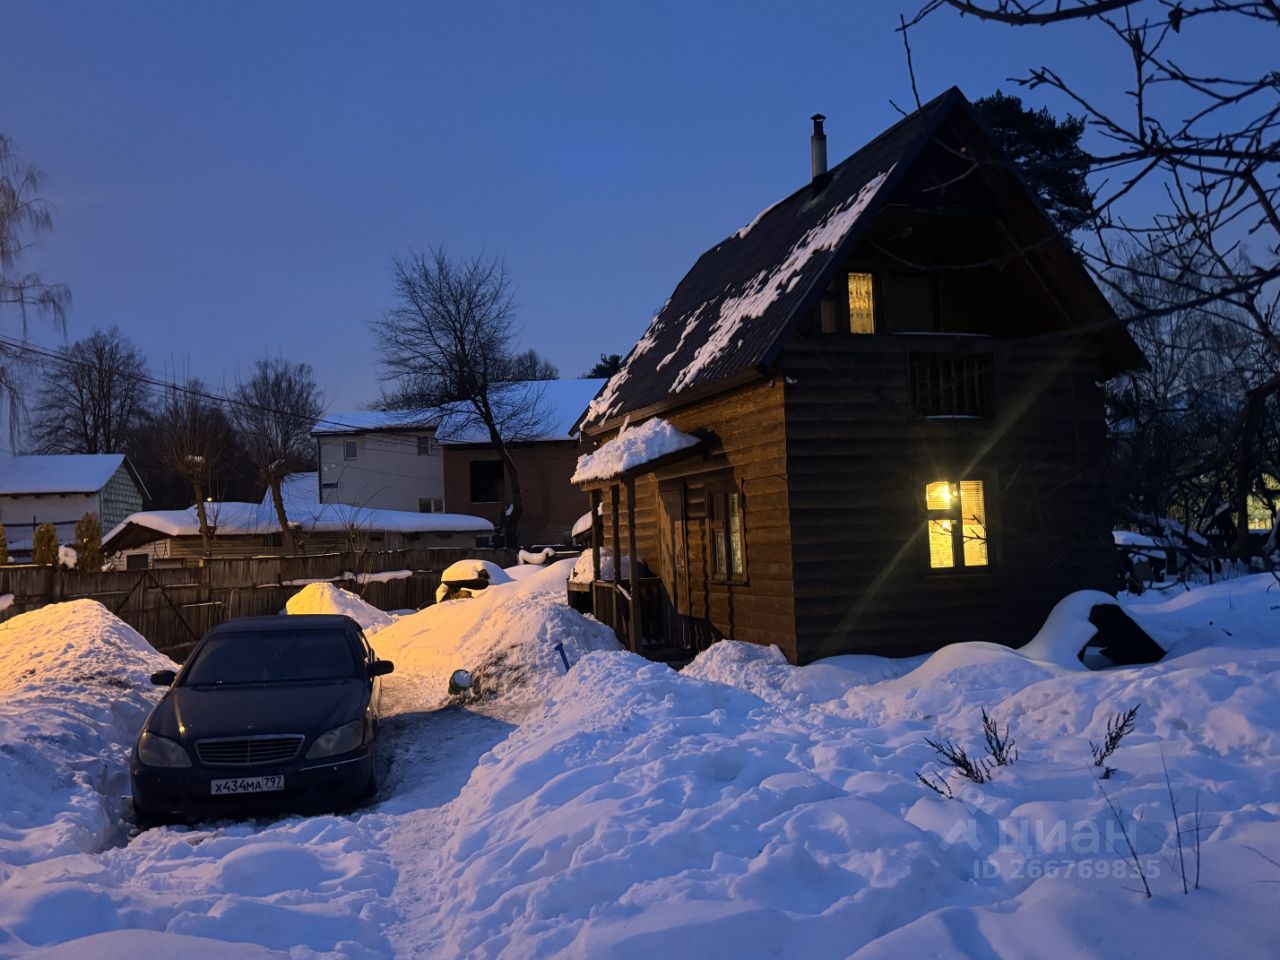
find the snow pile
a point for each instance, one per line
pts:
(458, 579)
(505, 636)
(74, 689)
(537, 557)
(778, 813)
(631, 448)
(326, 598)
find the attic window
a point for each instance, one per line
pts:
(862, 314)
(957, 524)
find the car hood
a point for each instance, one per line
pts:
(193, 713)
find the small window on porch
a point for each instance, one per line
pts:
(957, 525)
(727, 542)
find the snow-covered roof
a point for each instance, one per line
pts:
(303, 508)
(633, 447)
(372, 421)
(57, 473)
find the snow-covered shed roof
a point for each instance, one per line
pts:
(744, 298)
(633, 447)
(57, 473)
(302, 507)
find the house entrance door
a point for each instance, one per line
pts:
(674, 562)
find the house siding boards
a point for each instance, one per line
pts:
(858, 460)
(387, 472)
(119, 498)
(745, 444)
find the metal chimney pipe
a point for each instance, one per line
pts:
(818, 146)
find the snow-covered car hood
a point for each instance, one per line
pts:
(192, 713)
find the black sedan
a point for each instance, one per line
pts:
(267, 713)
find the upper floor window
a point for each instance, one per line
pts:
(855, 311)
(950, 385)
(428, 447)
(350, 450)
(487, 481)
(957, 524)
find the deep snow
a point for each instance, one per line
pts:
(743, 807)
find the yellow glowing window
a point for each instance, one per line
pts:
(862, 317)
(957, 526)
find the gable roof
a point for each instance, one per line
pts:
(736, 304)
(58, 473)
(743, 298)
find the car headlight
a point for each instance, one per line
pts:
(341, 739)
(157, 751)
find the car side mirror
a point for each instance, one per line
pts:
(380, 668)
(164, 678)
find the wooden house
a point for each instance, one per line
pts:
(891, 385)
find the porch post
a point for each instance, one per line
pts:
(614, 494)
(597, 532)
(635, 633)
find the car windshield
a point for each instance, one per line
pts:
(278, 656)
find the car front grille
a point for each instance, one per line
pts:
(249, 751)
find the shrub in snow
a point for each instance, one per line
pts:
(1118, 727)
(89, 543)
(1000, 753)
(327, 598)
(44, 545)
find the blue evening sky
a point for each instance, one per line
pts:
(231, 180)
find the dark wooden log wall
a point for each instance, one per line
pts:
(858, 460)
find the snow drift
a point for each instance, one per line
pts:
(74, 689)
(506, 636)
(327, 598)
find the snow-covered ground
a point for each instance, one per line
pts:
(742, 807)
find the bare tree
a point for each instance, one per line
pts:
(91, 397)
(23, 216)
(447, 347)
(1206, 140)
(273, 412)
(194, 437)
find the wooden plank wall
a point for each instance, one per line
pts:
(858, 460)
(747, 438)
(172, 607)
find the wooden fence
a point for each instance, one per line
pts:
(174, 607)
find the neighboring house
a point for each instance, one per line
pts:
(380, 461)
(170, 538)
(60, 489)
(475, 482)
(882, 424)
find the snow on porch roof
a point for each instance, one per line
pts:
(633, 447)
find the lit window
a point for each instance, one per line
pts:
(957, 525)
(862, 312)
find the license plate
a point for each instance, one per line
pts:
(246, 785)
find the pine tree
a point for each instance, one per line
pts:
(44, 545)
(1046, 152)
(89, 543)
